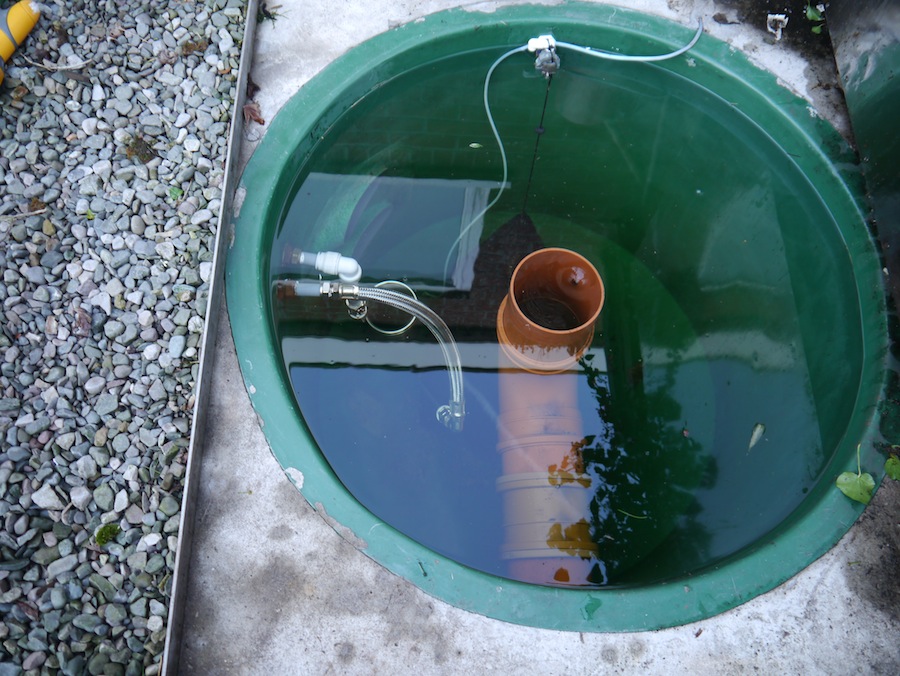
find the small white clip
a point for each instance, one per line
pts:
(776, 23)
(541, 42)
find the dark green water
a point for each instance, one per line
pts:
(730, 303)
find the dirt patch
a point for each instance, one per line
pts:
(798, 33)
(872, 573)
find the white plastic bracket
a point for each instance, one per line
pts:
(541, 42)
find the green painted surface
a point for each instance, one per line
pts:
(835, 308)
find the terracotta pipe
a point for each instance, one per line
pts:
(544, 325)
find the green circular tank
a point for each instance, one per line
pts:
(737, 364)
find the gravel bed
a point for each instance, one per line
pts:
(112, 155)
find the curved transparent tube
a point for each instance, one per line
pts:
(451, 415)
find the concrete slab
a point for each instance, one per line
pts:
(273, 588)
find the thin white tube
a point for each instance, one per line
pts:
(487, 109)
(610, 56)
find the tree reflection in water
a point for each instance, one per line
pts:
(643, 469)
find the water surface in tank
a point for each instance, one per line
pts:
(724, 274)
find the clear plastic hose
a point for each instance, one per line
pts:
(452, 414)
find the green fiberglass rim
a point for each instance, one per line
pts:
(809, 144)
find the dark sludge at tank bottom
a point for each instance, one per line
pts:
(704, 335)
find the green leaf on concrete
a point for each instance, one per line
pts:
(813, 13)
(892, 467)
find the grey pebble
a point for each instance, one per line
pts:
(95, 385)
(35, 275)
(86, 468)
(79, 495)
(106, 403)
(121, 501)
(87, 621)
(104, 497)
(18, 453)
(169, 506)
(152, 352)
(176, 346)
(116, 614)
(63, 565)
(46, 498)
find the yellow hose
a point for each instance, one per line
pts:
(16, 23)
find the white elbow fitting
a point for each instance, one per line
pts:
(343, 267)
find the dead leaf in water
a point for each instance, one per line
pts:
(758, 430)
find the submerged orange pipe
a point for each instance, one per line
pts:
(544, 325)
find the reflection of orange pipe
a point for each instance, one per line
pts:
(544, 325)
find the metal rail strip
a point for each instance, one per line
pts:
(172, 650)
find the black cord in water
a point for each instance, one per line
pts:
(540, 132)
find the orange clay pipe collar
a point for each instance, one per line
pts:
(16, 23)
(545, 281)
